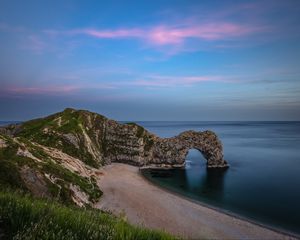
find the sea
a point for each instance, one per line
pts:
(262, 183)
(4, 123)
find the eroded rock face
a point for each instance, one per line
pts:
(134, 145)
(35, 182)
(173, 151)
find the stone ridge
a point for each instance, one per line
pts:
(97, 141)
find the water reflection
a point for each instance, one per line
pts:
(215, 178)
(207, 183)
(212, 183)
(195, 178)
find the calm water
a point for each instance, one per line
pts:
(263, 181)
(4, 123)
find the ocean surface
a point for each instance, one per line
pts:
(4, 123)
(263, 181)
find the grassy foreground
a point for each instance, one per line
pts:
(23, 217)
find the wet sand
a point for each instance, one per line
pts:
(127, 193)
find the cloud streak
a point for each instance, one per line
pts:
(172, 81)
(151, 81)
(164, 34)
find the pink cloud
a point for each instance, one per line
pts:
(164, 35)
(120, 33)
(160, 35)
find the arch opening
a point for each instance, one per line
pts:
(209, 181)
(195, 158)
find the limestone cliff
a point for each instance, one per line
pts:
(97, 140)
(60, 156)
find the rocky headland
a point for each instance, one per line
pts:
(60, 156)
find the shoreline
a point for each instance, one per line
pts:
(223, 211)
(127, 193)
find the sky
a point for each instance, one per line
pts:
(151, 60)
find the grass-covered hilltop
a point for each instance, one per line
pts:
(58, 158)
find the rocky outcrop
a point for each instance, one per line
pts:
(173, 151)
(97, 141)
(35, 182)
(135, 145)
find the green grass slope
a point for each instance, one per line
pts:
(23, 217)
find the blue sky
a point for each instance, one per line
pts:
(151, 60)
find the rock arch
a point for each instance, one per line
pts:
(172, 152)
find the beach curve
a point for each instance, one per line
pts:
(127, 193)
